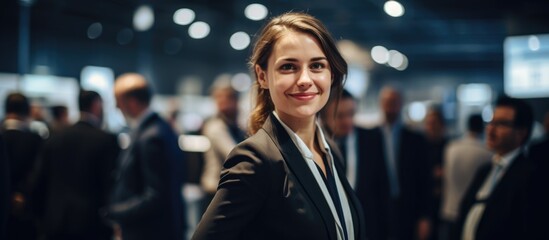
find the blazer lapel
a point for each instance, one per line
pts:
(303, 174)
(351, 196)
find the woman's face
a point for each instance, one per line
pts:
(298, 76)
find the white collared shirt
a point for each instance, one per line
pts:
(351, 143)
(308, 156)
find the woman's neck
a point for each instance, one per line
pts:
(303, 127)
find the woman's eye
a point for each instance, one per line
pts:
(287, 67)
(317, 66)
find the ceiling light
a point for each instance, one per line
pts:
(183, 16)
(143, 19)
(404, 64)
(395, 58)
(417, 111)
(95, 30)
(380, 54)
(533, 43)
(256, 11)
(240, 40)
(199, 30)
(393, 8)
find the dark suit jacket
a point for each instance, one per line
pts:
(146, 199)
(267, 191)
(538, 197)
(505, 211)
(4, 188)
(22, 147)
(373, 184)
(75, 178)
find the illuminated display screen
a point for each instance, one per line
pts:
(527, 66)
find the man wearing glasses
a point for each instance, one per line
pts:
(494, 205)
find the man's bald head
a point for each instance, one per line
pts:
(133, 93)
(390, 101)
(133, 85)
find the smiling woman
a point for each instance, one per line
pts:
(286, 181)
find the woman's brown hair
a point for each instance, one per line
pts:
(264, 43)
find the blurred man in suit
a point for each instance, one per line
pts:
(146, 200)
(60, 118)
(494, 206)
(223, 132)
(338, 119)
(354, 143)
(399, 176)
(462, 159)
(75, 175)
(435, 133)
(22, 146)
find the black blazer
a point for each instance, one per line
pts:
(22, 147)
(74, 180)
(146, 199)
(4, 187)
(267, 191)
(539, 190)
(505, 213)
(414, 177)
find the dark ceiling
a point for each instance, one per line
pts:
(435, 35)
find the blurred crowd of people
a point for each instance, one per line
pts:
(79, 181)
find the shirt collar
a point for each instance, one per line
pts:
(15, 124)
(91, 119)
(134, 123)
(506, 159)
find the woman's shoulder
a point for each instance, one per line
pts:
(260, 145)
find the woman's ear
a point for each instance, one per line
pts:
(261, 77)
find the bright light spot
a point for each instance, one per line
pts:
(256, 11)
(183, 16)
(241, 82)
(474, 93)
(240, 40)
(533, 43)
(194, 143)
(125, 36)
(393, 8)
(99, 79)
(417, 111)
(199, 30)
(192, 121)
(143, 19)
(487, 113)
(404, 64)
(95, 30)
(380, 54)
(395, 58)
